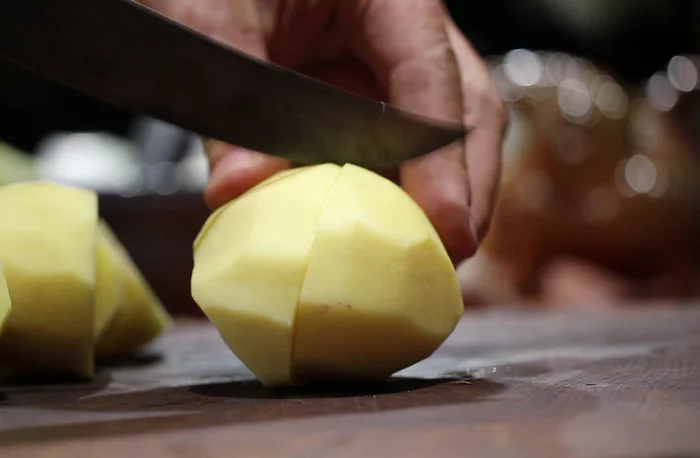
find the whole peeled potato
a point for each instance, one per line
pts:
(325, 273)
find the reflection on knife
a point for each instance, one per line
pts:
(131, 56)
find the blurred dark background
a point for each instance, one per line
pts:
(634, 240)
(631, 38)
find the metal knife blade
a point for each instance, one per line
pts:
(136, 58)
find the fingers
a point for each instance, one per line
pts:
(578, 283)
(235, 22)
(483, 109)
(235, 170)
(407, 47)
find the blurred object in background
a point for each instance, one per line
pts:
(173, 160)
(599, 201)
(99, 161)
(157, 158)
(599, 187)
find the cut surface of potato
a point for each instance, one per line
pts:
(109, 280)
(380, 292)
(47, 249)
(249, 262)
(326, 273)
(140, 316)
(5, 302)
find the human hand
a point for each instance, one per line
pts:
(408, 53)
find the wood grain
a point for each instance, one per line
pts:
(622, 383)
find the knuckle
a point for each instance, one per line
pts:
(485, 107)
(492, 102)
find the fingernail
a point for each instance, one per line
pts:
(232, 162)
(219, 173)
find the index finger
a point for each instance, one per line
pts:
(407, 47)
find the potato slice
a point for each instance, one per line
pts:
(5, 303)
(140, 317)
(380, 292)
(249, 262)
(47, 248)
(109, 281)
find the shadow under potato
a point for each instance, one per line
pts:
(52, 381)
(241, 402)
(129, 361)
(56, 380)
(332, 389)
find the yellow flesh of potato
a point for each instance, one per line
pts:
(109, 281)
(5, 303)
(140, 317)
(249, 264)
(325, 272)
(380, 292)
(47, 248)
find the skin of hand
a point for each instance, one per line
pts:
(408, 53)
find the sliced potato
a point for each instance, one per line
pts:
(140, 317)
(109, 281)
(47, 248)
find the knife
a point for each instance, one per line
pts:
(133, 57)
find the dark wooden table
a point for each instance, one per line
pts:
(506, 384)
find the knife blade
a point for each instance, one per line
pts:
(133, 57)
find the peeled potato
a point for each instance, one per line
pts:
(140, 316)
(5, 303)
(109, 281)
(47, 249)
(325, 272)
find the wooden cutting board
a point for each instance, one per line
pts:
(622, 383)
